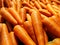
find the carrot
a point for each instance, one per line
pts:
(8, 16)
(23, 14)
(48, 1)
(13, 40)
(23, 35)
(45, 12)
(37, 4)
(18, 5)
(49, 8)
(52, 26)
(9, 26)
(31, 3)
(1, 19)
(29, 28)
(43, 5)
(15, 15)
(27, 4)
(5, 36)
(46, 37)
(29, 18)
(43, 1)
(37, 24)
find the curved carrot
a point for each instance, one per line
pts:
(15, 15)
(8, 16)
(23, 35)
(29, 28)
(37, 24)
(5, 36)
(13, 40)
(23, 14)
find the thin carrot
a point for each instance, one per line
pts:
(37, 24)
(49, 8)
(37, 4)
(5, 36)
(45, 12)
(23, 35)
(13, 40)
(15, 15)
(8, 16)
(31, 3)
(29, 28)
(23, 14)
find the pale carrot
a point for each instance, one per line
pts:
(23, 35)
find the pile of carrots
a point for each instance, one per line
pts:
(29, 22)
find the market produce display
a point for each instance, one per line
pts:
(29, 22)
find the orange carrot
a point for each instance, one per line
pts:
(49, 8)
(8, 16)
(1, 19)
(37, 24)
(31, 3)
(23, 35)
(5, 36)
(37, 5)
(15, 15)
(29, 28)
(23, 14)
(43, 1)
(13, 40)
(52, 26)
(45, 12)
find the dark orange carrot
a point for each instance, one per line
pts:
(1, 19)
(8, 16)
(9, 26)
(15, 15)
(29, 28)
(13, 40)
(45, 12)
(5, 36)
(37, 24)
(23, 35)
(23, 14)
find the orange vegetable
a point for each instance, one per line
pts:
(6, 15)
(13, 40)
(5, 39)
(23, 35)
(37, 24)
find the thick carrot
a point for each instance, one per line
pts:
(37, 24)
(23, 14)
(52, 26)
(5, 36)
(13, 40)
(49, 8)
(45, 12)
(29, 18)
(23, 35)
(9, 26)
(8, 16)
(37, 4)
(29, 28)
(15, 15)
